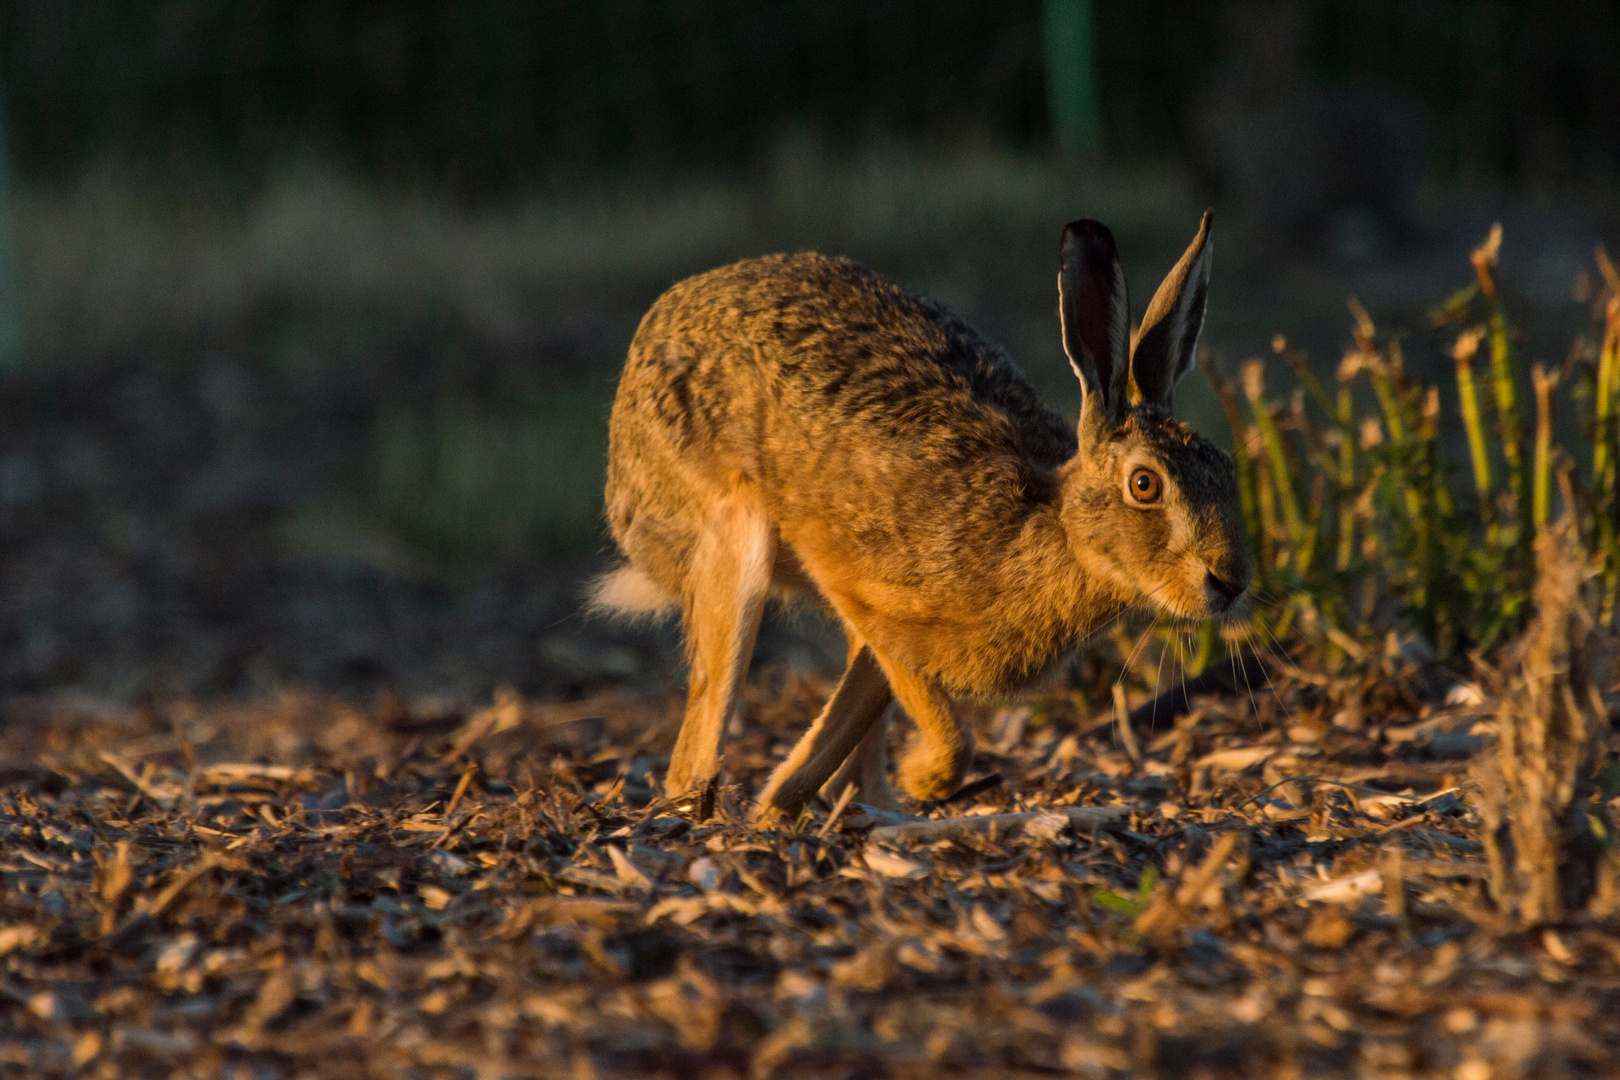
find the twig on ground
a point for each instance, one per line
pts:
(1085, 817)
(838, 809)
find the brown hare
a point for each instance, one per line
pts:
(797, 424)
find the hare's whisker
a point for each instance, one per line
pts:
(1276, 650)
(1254, 704)
(1158, 681)
(1140, 641)
(1128, 610)
(1186, 651)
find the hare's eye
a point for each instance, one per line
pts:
(1146, 486)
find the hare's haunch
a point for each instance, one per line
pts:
(797, 424)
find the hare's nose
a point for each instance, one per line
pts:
(1222, 593)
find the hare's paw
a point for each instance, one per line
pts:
(932, 770)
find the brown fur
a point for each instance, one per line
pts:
(875, 450)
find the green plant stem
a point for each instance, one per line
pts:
(1240, 457)
(1307, 378)
(1437, 511)
(1347, 480)
(1541, 504)
(1602, 406)
(1607, 503)
(1510, 425)
(1389, 402)
(1266, 496)
(1300, 536)
(1474, 425)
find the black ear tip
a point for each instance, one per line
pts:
(1088, 228)
(1087, 231)
(1206, 221)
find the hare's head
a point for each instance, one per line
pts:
(1148, 503)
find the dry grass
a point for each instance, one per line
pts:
(1547, 854)
(1295, 886)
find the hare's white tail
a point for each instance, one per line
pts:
(631, 594)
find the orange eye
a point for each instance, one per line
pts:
(1146, 487)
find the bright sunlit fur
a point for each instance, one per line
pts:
(632, 594)
(796, 424)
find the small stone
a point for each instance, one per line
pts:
(704, 873)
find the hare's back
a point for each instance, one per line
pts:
(840, 395)
(823, 348)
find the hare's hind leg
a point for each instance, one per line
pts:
(726, 585)
(868, 769)
(853, 710)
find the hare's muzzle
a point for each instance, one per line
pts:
(1221, 592)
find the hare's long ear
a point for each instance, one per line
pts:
(1096, 313)
(1165, 345)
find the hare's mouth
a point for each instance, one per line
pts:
(1205, 594)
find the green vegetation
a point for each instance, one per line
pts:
(1359, 521)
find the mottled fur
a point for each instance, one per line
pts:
(798, 424)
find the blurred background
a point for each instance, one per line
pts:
(311, 310)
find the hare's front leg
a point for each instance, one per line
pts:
(934, 766)
(853, 710)
(726, 585)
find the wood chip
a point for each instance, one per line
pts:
(890, 864)
(1236, 759)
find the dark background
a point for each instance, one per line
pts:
(488, 99)
(315, 308)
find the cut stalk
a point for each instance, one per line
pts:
(1468, 396)
(1282, 476)
(1429, 430)
(1266, 497)
(1389, 403)
(1302, 369)
(1603, 399)
(1435, 509)
(1388, 400)
(1347, 479)
(1510, 425)
(1421, 570)
(1541, 505)
(1240, 455)
(1607, 507)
